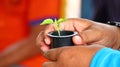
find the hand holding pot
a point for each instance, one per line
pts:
(76, 56)
(89, 32)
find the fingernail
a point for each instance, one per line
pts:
(78, 40)
(44, 49)
(47, 41)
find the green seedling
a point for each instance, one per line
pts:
(57, 23)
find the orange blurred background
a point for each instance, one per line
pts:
(16, 17)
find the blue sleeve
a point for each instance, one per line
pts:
(106, 57)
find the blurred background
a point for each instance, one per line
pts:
(20, 19)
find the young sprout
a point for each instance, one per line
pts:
(47, 21)
(57, 23)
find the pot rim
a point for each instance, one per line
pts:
(74, 33)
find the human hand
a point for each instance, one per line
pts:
(76, 56)
(89, 32)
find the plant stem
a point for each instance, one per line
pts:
(57, 27)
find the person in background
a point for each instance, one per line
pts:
(106, 10)
(97, 45)
(19, 26)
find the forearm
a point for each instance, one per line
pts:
(116, 34)
(118, 39)
(18, 53)
(110, 35)
(22, 51)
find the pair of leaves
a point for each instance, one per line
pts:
(57, 23)
(50, 21)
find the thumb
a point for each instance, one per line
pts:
(87, 36)
(90, 36)
(77, 40)
(52, 54)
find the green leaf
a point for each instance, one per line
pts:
(57, 23)
(60, 20)
(47, 21)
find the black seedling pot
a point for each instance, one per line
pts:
(65, 38)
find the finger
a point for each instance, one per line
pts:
(49, 64)
(62, 26)
(90, 35)
(86, 31)
(52, 54)
(82, 24)
(41, 43)
(76, 24)
(43, 40)
(73, 24)
(68, 25)
(77, 40)
(48, 29)
(40, 39)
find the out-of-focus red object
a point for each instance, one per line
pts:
(14, 21)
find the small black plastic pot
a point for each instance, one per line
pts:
(65, 38)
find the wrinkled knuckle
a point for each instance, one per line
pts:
(39, 35)
(63, 53)
(49, 28)
(47, 54)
